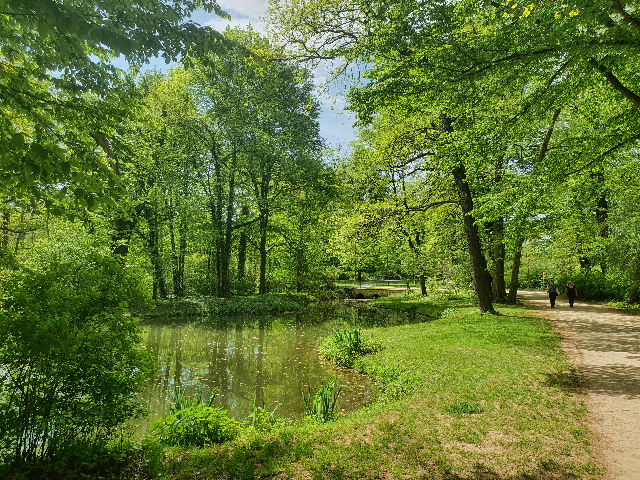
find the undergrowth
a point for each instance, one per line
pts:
(206, 306)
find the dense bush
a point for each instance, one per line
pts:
(593, 285)
(197, 425)
(70, 356)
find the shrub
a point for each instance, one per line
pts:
(593, 285)
(344, 346)
(197, 425)
(71, 360)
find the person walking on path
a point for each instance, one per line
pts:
(571, 293)
(552, 288)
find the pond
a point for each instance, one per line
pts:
(268, 360)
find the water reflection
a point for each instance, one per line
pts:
(269, 360)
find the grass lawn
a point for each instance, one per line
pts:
(468, 396)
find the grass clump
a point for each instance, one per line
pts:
(464, 407)
(343, 347)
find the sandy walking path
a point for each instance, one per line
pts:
(604, 345)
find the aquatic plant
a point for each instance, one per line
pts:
(344, 346)
(320, 406)
(180, 401)
(264, 420)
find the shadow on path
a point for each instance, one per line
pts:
(604, 345)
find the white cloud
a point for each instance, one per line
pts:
(242, 12)
(251, 10)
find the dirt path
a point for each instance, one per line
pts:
(604, 344)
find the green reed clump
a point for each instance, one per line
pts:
(180, 401)
(320, 406)
(263, 420)
(344, 346)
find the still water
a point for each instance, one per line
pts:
(268, 360)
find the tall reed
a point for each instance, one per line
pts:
(180, 402)
(320, 406)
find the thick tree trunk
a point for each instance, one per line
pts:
(182, 254)
(228, 231)
(479, 272)
(515, 273)
(242, 247)
(178, 255)
(481, 276)
(602, 215)
(6, 221)
(423, 285)
(159, 286)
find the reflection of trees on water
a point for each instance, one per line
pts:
(178, 351)
(269, 360)
(259, 374)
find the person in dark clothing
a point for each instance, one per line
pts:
(571, 293)
(552, 288)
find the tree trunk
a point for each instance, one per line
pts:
(228, 231)
(498, 254)
(153, 242)
(515, 273)
(423, 285)
(182, 252)
(242, 246)
(602, 216)
(177, 255)
(481, 276)
(264, 220)
(6, 221)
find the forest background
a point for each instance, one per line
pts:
(495, 142)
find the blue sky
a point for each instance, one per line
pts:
(335, 123)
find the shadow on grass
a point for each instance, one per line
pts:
(544, 470)
(568, 380)
(270, 460)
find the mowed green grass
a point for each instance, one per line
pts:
(530, 419)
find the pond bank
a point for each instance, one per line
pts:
(468, 396)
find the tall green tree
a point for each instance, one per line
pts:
(61, 95)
